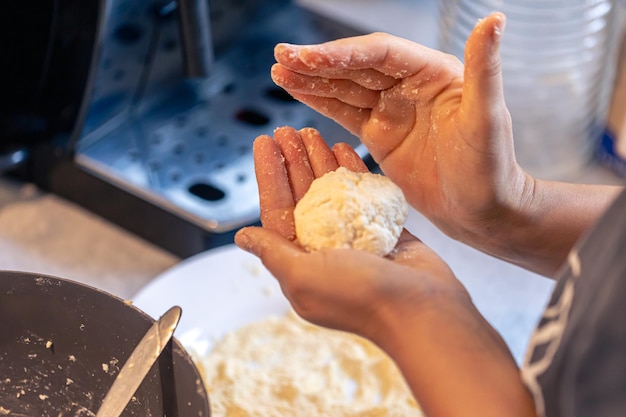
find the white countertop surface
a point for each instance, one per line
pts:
(46, 234)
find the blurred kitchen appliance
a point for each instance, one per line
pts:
(176, 91)
(46, 49)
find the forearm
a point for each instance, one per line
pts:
(539, 233)
(456, 364)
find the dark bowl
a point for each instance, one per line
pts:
(62, 344)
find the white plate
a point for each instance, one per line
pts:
(219, 291)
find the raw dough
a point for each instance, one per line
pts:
(345, 209)
(286, 367)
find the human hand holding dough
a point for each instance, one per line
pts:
(320, 285)
(351, 210)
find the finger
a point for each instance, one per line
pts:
(347, 157)
(296, 160)
(482, 86)
(258, 240)
(346, 90)
(291, 265)
(279, 255)
(368, 78)
(275, 196)
(350, 117)
(390, 55)
(321, 158)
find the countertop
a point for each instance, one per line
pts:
(43, 233)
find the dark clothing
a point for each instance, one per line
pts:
(576, 361)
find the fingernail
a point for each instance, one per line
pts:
(311, 60)
(498, 28)
(286, 50)
(243, 240)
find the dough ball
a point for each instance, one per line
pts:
(350, 210)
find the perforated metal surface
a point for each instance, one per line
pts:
(186, 145)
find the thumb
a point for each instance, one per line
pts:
(482, 85)
(277, 253)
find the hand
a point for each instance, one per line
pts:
(409, 303)
(343, 289)
(439, 130)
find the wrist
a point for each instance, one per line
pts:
(500, 224)
(411, 310)
(539, 223)
(441, 346)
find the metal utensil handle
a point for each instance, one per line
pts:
(139, 363)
